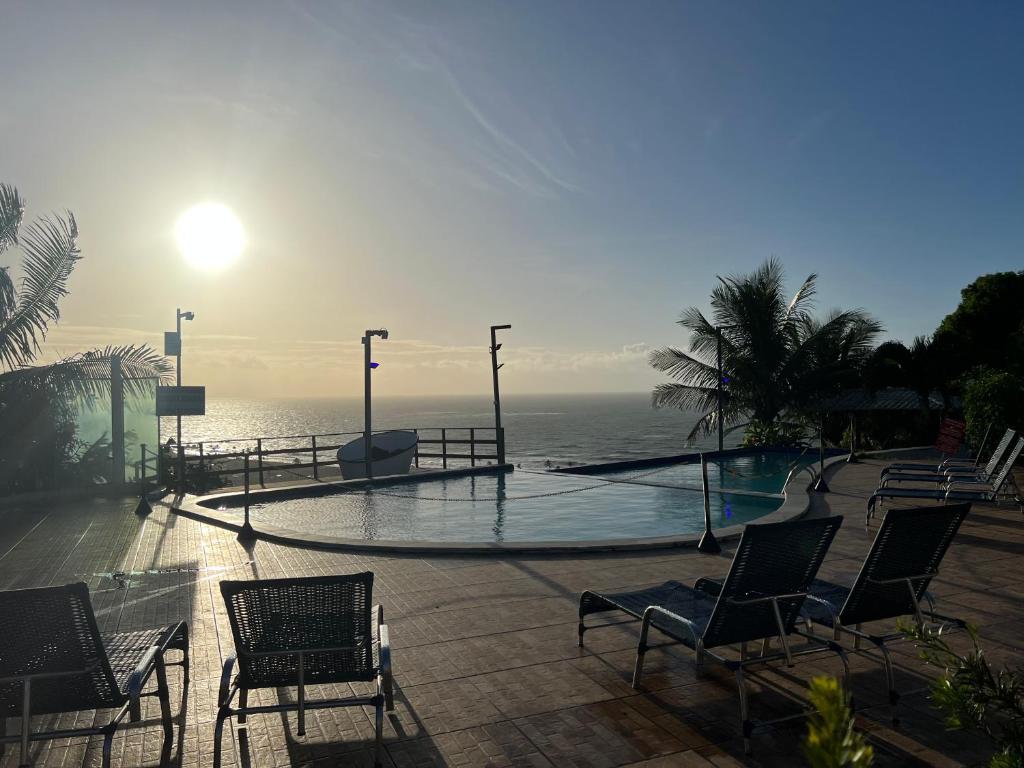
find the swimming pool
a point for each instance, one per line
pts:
(528, 506)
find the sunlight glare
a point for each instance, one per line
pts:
(209, 236)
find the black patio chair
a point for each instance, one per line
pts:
(759, 599)
(956, 466)
(892, 582)
(53, 660)
(955, 490)
(300, 632)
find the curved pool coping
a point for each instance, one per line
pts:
(796, 504)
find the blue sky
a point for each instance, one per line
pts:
(580, 170)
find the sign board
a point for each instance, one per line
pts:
(181, 401)
(172, 343)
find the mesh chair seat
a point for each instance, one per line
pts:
(693, 604)
(126, 649)
(834, 594)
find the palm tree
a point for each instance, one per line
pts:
(777, 358)
(49, 391)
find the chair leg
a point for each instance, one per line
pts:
(164, 694)
(218, 736)
(379, 722)
(243, 702)
(890, 681)
(641, 649)
(745, 723)
(108, 744)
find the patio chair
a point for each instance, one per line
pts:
(53, 660)
(953, 490)
(299, 632)
(957, 466)
(892, 582)
(976, 479)
(759, 599)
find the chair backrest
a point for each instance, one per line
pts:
(909, 543)
(1011, 459)
(997, 454)
(772, 560)
(52, 632)
(272, 620)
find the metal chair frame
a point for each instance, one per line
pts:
(382, 700)
(174, 637)
(593, 602)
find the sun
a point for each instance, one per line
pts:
(209, 236)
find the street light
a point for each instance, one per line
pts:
(179, 316)
(368, 366)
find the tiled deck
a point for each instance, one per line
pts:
(487, 667)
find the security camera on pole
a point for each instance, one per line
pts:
(179, 401)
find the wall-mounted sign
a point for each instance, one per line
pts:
(172, 343)
(181, 401)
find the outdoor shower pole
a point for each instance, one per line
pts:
(368, 366)
(499, 433)
(721, 427)
(708, 543)
(366, 405)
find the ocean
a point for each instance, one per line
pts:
(540, 430)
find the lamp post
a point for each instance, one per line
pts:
(499, 433)
(367, 367)
(721, 427)
(708, 543)
(179, 316)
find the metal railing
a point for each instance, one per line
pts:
(207, 464)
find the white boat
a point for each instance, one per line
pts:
(391, 453)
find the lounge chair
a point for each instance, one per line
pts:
(53, 660)
(957, 466)
(299, 632)
(892, 582)
(979, 480)
(954, 490)
(759, 599)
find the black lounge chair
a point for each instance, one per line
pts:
(956, 467)
(953, 490)
(892, 583)
(759, 599)
(299, 632)
(970, 481)
(53, 660)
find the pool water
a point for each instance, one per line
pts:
(541, 506)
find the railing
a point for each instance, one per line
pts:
(208, 465)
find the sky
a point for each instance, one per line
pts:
(580, 170)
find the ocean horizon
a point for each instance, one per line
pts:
(540, 430)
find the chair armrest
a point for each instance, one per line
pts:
(223, 697)
(712, 587)
(384, 641)
(650, 612)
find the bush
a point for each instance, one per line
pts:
(831, 741)
(992, 397)
(773, 435)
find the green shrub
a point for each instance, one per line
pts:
(992, 397)
(773, 435)
(973, 696)
(831, 741)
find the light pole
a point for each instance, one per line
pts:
(499, 433)
(179, 316)
(721, 426)
(368, 366)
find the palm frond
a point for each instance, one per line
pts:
(12, 208)
(51, 251)
(86, 376)
(8, 297)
